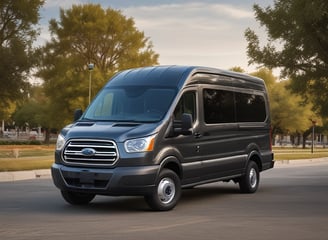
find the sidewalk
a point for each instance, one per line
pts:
(24, 175)
(46, 173)
(301, 162)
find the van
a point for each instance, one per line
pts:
(153, 131)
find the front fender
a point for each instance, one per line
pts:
(166, 152)
(170, 158)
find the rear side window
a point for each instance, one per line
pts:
(218, 106)
(250, 107)
(223, 106)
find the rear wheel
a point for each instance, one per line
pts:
(76, 198)
(250, 181)
(167, 191)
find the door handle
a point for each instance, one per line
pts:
(197, 135)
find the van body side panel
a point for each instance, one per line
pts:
(189, 157)
(267, 160)
(221, 151)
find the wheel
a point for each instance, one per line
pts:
(167, 191)
(76, 198)
(250, 181)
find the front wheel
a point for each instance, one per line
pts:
(250, 181)
(76, 198)
(167, 191)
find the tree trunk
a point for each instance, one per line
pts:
(47, 136)
(305, 135)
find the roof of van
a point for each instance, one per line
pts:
(171, 76)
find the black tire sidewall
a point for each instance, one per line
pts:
(153, 199)
(245, 184)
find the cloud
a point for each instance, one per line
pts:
(208, 34)
(60, 3)
(232, 11)
(187, 13)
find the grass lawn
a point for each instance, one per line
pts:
(30, 157)
(25, 157)
(20, 164)
(298, 153)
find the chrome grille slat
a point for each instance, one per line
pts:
(104, 152)
(97, 154)
(90, 159)
(91, 145)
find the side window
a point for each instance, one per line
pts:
(250, 107)
(186, 104)
(218, 106)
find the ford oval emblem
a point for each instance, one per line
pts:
(88, 151)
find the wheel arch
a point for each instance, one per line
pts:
(172, 163)
(255, 157)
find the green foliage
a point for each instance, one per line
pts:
(17, 33)
(268, 77)
(33, 112)
(297, 44)
(237, 69)
(88, 34)
(30, 114)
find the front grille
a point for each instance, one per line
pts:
(90, 152)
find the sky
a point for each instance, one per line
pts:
(195, 32)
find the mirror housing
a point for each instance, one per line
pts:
(77, 114)
(184, 126)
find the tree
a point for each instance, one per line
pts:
(17, 33)
(289, 113)
(28, 115)
(297, 44)
(88, 34)
(34, 112)
(237, 69)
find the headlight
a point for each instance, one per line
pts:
(60, 142)
(145, 144)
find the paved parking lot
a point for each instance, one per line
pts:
(291, 204)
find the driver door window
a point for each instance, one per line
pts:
(186, 104)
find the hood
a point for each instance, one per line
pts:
(117, 131)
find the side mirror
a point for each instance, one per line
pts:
(77, 114)
(183, 126)
(186, 124)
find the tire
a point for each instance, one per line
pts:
(249, 183)
(167, 192)
(76, 198)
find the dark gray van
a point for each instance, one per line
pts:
(153, 131)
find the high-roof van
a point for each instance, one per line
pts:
(153, 131)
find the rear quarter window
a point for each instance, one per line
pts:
(250, 107)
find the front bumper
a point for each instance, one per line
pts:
(117, 181)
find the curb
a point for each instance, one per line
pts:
(24, 175)
(301, 162)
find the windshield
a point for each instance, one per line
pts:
(136, 104)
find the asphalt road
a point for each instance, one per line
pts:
(291, 203)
